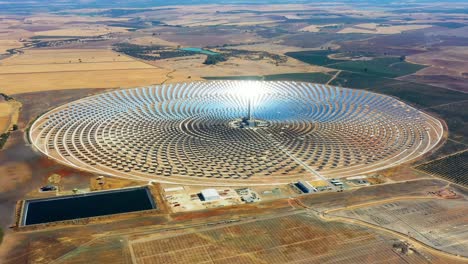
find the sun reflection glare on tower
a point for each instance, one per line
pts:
(249, 91)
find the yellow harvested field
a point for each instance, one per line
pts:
(14, 34)
(9, 44)
(316, 28)
(40, 70)
(75, 66)
(85, 31)
(152, 41)
(61, 56)
(367, 25)
(311, 28)
(293, 16)
(198, 23)
(35, 61)
(372, 28)
(34, 82)
(196, 19)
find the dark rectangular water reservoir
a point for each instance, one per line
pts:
(87, 205)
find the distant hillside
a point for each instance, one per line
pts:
(24, 7)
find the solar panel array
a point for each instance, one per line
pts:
(182, 133)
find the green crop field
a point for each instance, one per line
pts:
(380, 66)
(313, 57)
(420, 94)
(385, 67)
(360, 80)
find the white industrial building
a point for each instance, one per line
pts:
(210, 194)
(305, 187)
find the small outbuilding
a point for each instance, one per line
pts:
(210, 195)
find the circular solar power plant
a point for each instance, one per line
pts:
(235, 133)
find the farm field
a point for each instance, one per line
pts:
(16, 83)
(41, 70)
(373, 28)
(448, 68)
(81, 31)
(6, 45)
(381, 66)
(385, 67)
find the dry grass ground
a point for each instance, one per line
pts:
(9, 44)
(9, 112)
(9, 34)
(310, 28)
(40, 70)
(82, 31)
(152, 40)
(63, 56)
(193, 66)
(15, 174)
(21, 83)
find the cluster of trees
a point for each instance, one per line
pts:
(213, 59)
(153, 52)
